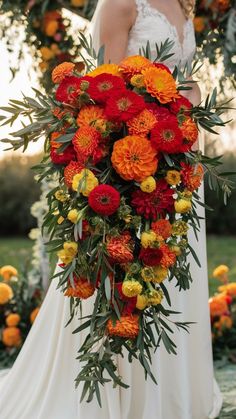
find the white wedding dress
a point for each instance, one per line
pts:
(41, 383)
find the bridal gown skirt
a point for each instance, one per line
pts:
(41, 383)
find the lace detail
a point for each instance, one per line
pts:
(154, 26)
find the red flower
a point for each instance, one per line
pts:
(120, 248)
(130, 302)
(180, 105)
(159, 112)
(162, 67)
(124, 106)
(156, 203)
(166, 136)
(150, 257)
(70, 88)
(85, 142)
(70, 171)
(64, 157)
(104, 199)
(104, 86)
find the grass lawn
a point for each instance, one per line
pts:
(221, 250)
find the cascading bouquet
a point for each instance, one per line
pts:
(120, 138)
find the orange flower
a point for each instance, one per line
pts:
(199, 24)
(61, 71)
(126, 327)
(162, 228)
(54, 136)
(51, 28)
(120, 249)
(220, 5)
(133, 158)
(160, 84)
(218, 305)
(92, 115)
(142, 123)
(6, 293)
(192, 176)
(11, 336)
(226, 322)
(189, 130)
(8, 271)
(12, 319)
(85, 142)
(34, 314)
(72, 169)
(168, 256)
(83, 289)
(133, 65)
(106, 68)
(229, 289)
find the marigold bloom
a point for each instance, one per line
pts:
(6, 293)
(142, 302)
(73, 215)
(183, 206)
(168, 256)
(160, 84)
(77, 3)
(61, 71)
(120, 249)
(84, 182)
(106, 68)
(131, 288)
(34, 314)
(11, 336)
(61, 195)
(148, 185)
(226, 322)
(148, 238)
(190, 133)
(160, 274)
(104, 199)
(229, 289)
(13, 319)
(180, 228)
(68, 253)
(133, 65)
(133, 158)
(173, 177)
(85, 142)
(192, 176)
(199, 23)
(83, 289)
(142, 124)
(147, 274)
(162, 228)
(73, 168)
(155, 297)
(220, 270)
(7, 271)
(126, 327)
(47, 53)
(218, 306)
(137, 81)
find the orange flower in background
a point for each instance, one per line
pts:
(229, 289)
(7, 272)
(13, 319)
(133, 158)
(77, 3)
(226, 322)
(126, 327)
(83, 289)
(133, 65)
(218, 305)
(162, 228)
(92, 115)
(34, 314)
(168, 256)
(11, 336)
(72, 169)
(160, 84)
(6, 293)
(199, 24)
(85, 142)
(192, 176)
(189, 130)
(220, 5)
(106, 68)
(61, 71)
(120, 248)
(220, 271)
(142, 124)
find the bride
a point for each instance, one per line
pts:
(41, 383)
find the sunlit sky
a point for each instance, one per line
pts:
(26, 79)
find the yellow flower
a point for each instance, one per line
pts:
(180, 228)
(34, 314)
(183, 206)
(155, 297)
(142, 302)
(68, 253)
(6, 293)
(60, 220)
(160, 274)
(47, 53)
(71, 248)
(137, 81)
(106, 68)
(7, 271)
(220, 271)
(77, 3)
(131, 288)
(13, 319)
(148, 185)
(147, 274)
(61, 196)
(73, 215)
(148, 238)
(85, 182)
(176, 249)
(173, 177)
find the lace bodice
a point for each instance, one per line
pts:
(152, 25)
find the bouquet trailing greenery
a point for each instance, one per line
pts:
(120, 138)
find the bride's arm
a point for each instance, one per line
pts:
(117, 17)
(193, 95)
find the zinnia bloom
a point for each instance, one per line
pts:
(162, 228)
(124, 106)
(91, 115)
(168, 257)
(182, 104)
(107, 69)
(160, 84)
(133, 158)
(120, 248)
(192, 176)
(142, 124)
(104, 199)
(133, 65)
(85, 142)
(166, 136)
(150, 257)
(11, 337)
(104, 86)
(73, 168)
(126, 327)
(63, 157)
(61, 71)
(158, 111)
(156, 203)
(83, 289)
(190, 133)
(70, 88)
